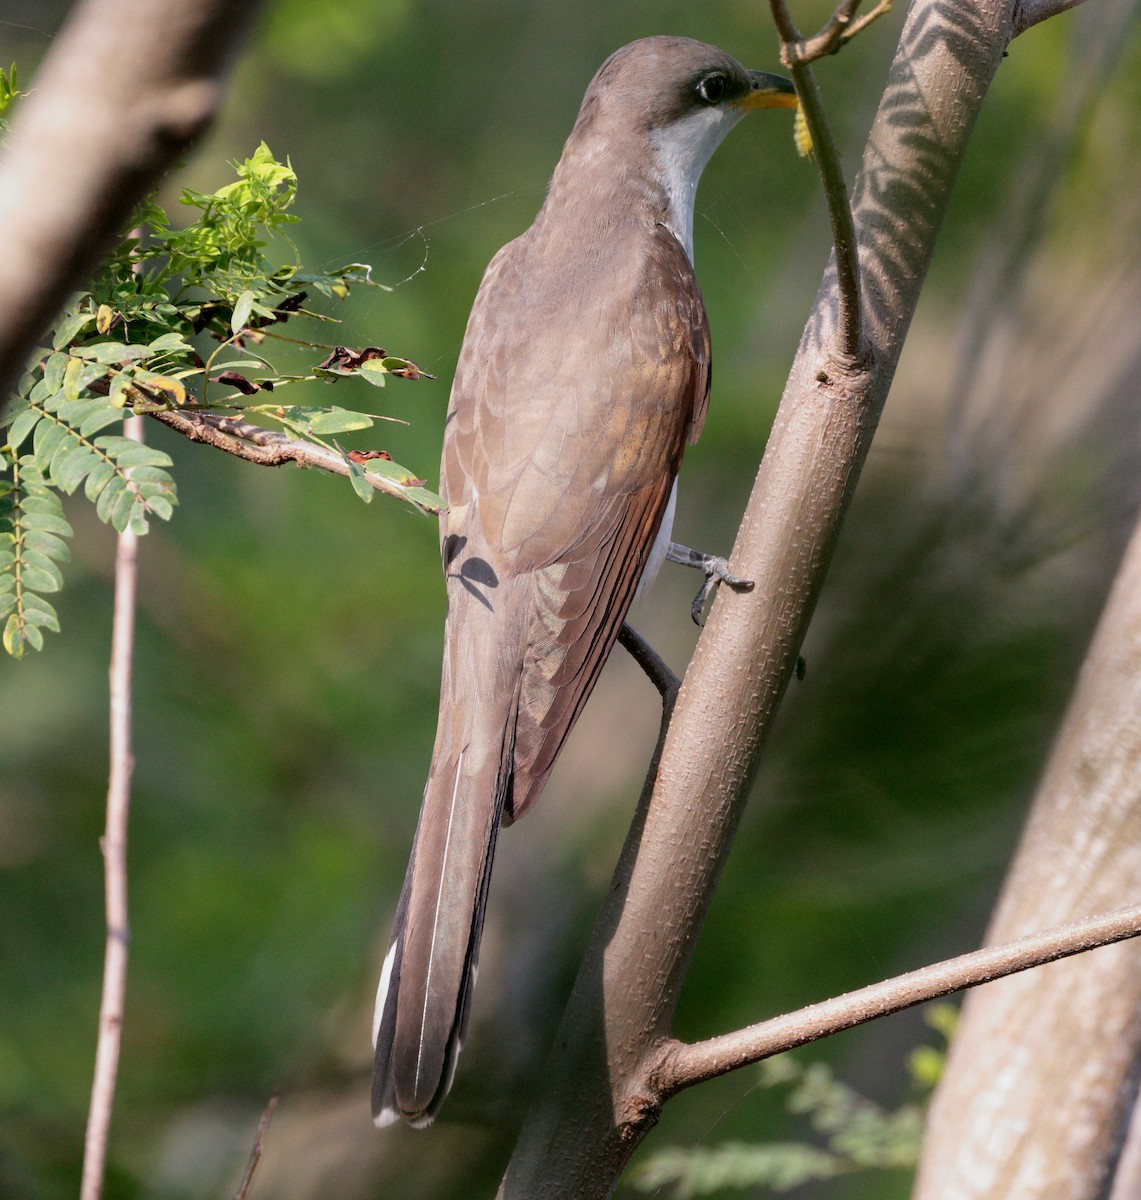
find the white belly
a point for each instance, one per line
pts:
(660, 546)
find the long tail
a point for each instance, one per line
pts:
(426, 983)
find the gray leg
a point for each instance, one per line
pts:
(716, 571)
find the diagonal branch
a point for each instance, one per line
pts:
(796, 56)
(265, 447)
(680, 1065)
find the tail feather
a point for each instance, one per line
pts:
(426, 983)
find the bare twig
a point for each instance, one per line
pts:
(114, 847)
(656, 667)
(80, 156)
(840, 28)
(255, 1153)
(795, 56)
(265, 447)
(680, 1065)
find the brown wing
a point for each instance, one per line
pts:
(569, 413)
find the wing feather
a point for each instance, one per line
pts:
(564, 436)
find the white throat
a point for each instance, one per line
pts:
(681, 151)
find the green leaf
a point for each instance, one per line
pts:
(161, 507)
(70, 327)
(241, 313)
(46, 543)
(361, 485)
(53, 372)
(112, 352)
(100, 414)
(40, 612)
(373, 371)
(338, 420)
(50, 435)
(136, 455)
(119, 512)
(101, 473)
(108, 494)
(170, 343)
(24, 423)
(48, 522)
(68, 469)
(36, 580)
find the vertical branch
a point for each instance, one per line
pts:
(796, 55)
(114, 847)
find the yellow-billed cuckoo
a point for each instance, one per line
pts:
(584, 369)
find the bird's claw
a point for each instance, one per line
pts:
(716, 571)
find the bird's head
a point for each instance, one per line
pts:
(658, 108)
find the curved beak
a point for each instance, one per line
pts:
(768, 91)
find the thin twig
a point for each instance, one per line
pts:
(679, 1065)
(255, 1153)
(859, 25)
(794, 55)
(114, 847)
(265, 447)
(656, 667)
(840, 28)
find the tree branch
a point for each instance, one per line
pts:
(1068, 1042)
(114, 847)
(1028, 13)
(255, 1153)
(598, 1101)
(656, 667)
(264, 447)
(127, 88)
(796, 54)
(680, 1065)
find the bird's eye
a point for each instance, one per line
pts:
(711, 88)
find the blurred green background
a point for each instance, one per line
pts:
(289, 635)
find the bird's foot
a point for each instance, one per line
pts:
(716, 571)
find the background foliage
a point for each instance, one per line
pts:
(289, 641)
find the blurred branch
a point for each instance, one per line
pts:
(126, 89)
(264, 447)
(1032, 1053)
(255, 1153)
(796, 53)
(114, 847)
(681, 1065)
(1028, 13)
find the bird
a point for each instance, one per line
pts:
(584, 370)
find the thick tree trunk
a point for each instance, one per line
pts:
(1043, 1073)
